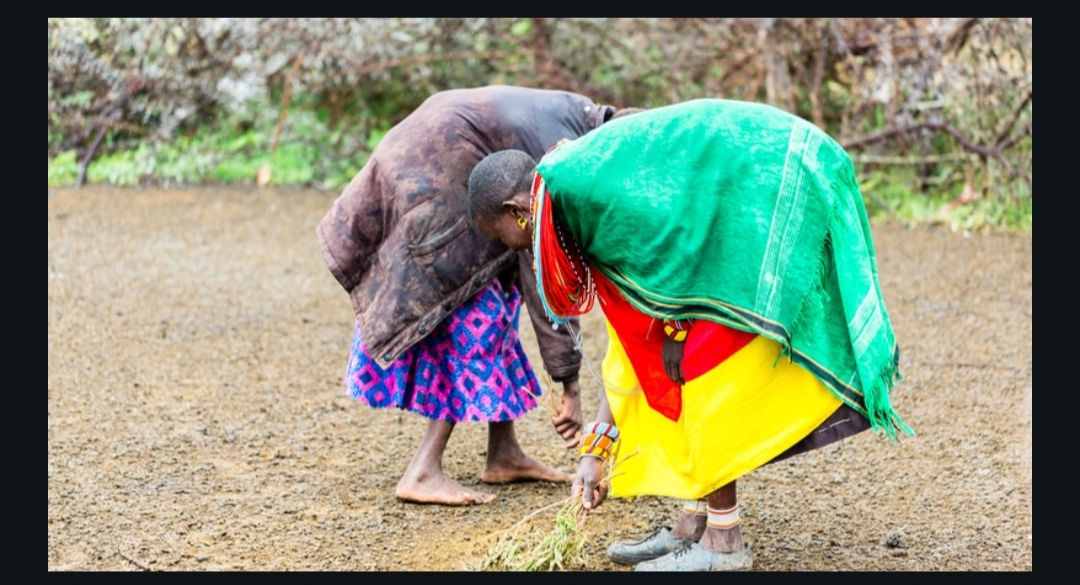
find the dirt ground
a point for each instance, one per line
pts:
(198, 420)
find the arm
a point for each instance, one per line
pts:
(561, 359)
(351, 232)
(588, 481)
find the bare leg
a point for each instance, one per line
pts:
(723, 540)
(506, 462)
(424, 482)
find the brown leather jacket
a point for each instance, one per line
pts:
(400, 240)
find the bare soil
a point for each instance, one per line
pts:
(198, 420)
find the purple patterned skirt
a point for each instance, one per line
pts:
(471, 367)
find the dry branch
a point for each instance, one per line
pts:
(993, 152)
(285, 97)
(133, 561)
(1008, 126)
(118, 109)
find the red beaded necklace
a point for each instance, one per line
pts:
(564, 279)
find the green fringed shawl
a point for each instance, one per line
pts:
(742, 214)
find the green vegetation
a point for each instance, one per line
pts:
(231, 152)
(935, 112)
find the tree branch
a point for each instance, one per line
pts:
(1015, 137)
(983, 151)
(937, 126)
(286, 96)
(1012, 120)
(910, 160)
(367, 68)
(113, 116)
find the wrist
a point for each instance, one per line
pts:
(678, 330)
(598, 439)
(566, 380)
(677, 335)
(571, 389)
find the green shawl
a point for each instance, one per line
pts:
(745, 215)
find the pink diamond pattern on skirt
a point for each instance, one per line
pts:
(471, 367)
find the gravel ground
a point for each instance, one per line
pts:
(198, 421)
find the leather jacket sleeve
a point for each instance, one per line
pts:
(561, 359)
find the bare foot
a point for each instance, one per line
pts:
(521, 468)
(440, 490)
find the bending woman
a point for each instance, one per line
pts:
(436, 303)
(730, 251)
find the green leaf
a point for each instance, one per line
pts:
(78, 99)
(521, 27)
(375, 137)
(63, 169)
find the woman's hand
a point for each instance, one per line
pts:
(672, 354)
(568, 423)
(587, 483)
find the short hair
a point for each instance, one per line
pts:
(498, 176)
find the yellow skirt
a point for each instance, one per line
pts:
(735, 418)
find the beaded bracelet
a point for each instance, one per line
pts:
(598, 440)
(676, 334)
(678, 330)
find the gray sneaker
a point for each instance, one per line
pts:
(654, 546)
(695, 557)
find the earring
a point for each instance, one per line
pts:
(524, 223)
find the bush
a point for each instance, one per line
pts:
(935, 107)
